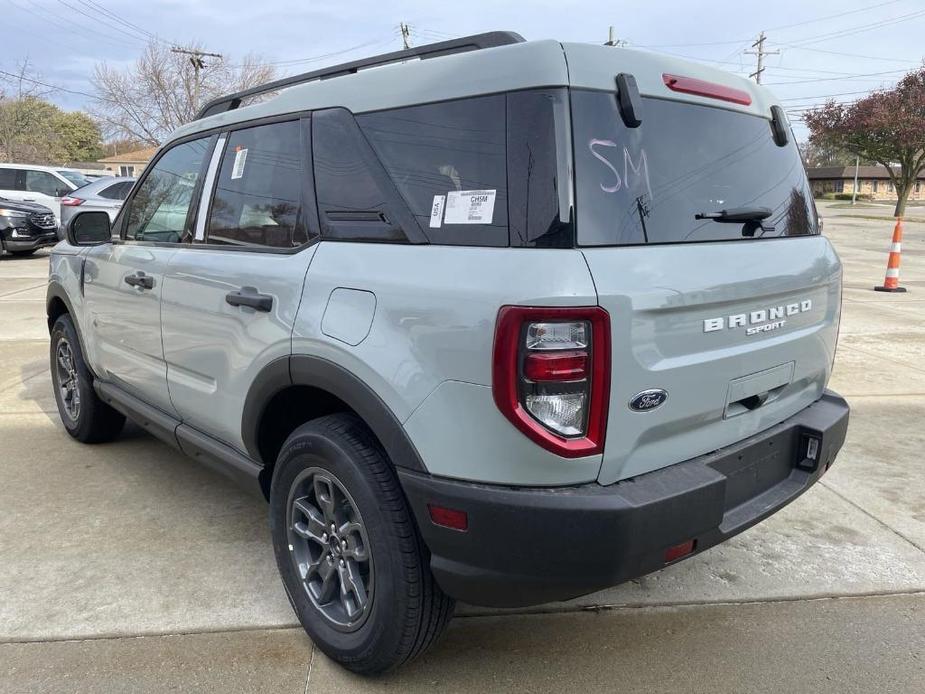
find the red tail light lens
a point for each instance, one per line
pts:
(71, 201)
(551, 375)
(556, 366)
(691, 85)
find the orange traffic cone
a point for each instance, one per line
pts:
(891, 283)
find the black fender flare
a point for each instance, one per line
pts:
(307, 370)
(56, 291)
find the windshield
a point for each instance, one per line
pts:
(75, 177)
(668, 180)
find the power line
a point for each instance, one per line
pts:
(843, 77)
(53, 86)
(835, 16)
(856, 30)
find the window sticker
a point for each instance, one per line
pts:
(240, 157)
(436, 211)
(470, 207)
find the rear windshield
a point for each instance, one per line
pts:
(649, 184)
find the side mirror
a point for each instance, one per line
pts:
(89, 229)
(62, 192)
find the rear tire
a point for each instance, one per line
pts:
(85, 417)
(334, 466)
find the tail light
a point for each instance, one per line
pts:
(551, 375)
(71, 201)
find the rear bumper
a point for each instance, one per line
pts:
(529, 546)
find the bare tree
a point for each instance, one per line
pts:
(163, 90)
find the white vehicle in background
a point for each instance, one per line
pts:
(44, 185)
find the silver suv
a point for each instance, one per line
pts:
(508, 323)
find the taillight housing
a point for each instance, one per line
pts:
(71, 201)
(551, 375)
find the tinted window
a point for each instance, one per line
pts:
(538, 155)
(648, 184)
(117, 191)
(258, 193)
(356, 199)
(8, 179)
(75, 177)
(44, 183)
(159, 209)
(448, 161)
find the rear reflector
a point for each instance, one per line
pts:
(448, 517)
(679, 551)
(690, 85)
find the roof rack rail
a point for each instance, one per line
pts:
(475, 42)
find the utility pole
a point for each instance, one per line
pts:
(761, 53)
(405, 35)
(196, 60)
(854, 191)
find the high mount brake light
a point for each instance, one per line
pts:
(551, 375)
(691, 85)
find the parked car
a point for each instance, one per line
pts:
(45, 185)
(104, 194)
(25, 227)
(508, 324)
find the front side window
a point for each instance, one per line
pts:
(43, 182)
(448, 161)
(668, 180)
(258, 193)
(159, 211)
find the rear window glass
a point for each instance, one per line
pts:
(448, 161)
(648, 184)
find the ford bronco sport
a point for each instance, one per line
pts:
(507, 323)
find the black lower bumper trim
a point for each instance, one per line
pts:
(529, 546)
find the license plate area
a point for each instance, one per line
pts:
(758, 467)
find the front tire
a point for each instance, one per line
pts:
(23, 254)
(350, 556)
(85, 417)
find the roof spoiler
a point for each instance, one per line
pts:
(475, 42)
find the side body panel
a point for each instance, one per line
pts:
(428, 349)
(124, 322)
(213, 350)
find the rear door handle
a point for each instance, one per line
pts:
(140, 280)
(249, 296)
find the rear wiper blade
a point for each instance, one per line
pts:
(737, 214)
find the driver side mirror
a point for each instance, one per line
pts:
(89, 229)
(62, 192)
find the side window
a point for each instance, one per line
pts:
(44, 183)
(356, 199)
(117, 191)
(8, 179)
(449, 162)
(159, 210)
(258, 193)
(126, 170)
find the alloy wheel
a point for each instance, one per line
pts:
(329, 548)
(68, 379)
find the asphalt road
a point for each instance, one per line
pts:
(127, 567)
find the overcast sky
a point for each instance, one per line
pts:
(820, 54)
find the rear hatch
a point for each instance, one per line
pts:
(733, 317)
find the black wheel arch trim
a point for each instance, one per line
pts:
(317, 372)
(56, 291)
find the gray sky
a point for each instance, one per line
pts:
(820, 54)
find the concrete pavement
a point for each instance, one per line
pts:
(102, 545)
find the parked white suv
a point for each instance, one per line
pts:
(43, 185)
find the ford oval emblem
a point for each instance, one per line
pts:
(648, 399)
